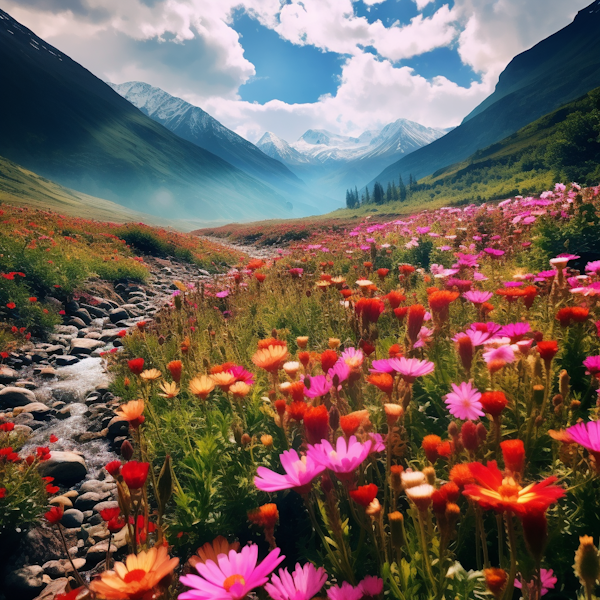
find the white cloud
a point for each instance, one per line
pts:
(189, 48)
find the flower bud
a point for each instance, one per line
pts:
(266, 440)
(557, 400)
(396, 521)
(393, 413)
(535, 532)
(334, 418)
(302, 341)
(564, 381)
(429, 473)
(126, 450)
(496, 580)
(374, 509)
(245, 439)
(469, 436)
(513, 452)
(482, 431)
(396, 477)
(333, 343)
(538, 394)
(587, 564)
(421, 496)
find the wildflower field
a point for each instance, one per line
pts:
(405, 409)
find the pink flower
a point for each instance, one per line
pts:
(593, 267)
(344, 592)
(477, 297)
(502, 353)
(548, 581)
(303, 584)
(353, 357)
(319, 386)
(300, 473)
(515, 331)
(463, 402)
(235, 575)
(411, 368)
(371, 586)
(592, 364)
(383, 365)
(378, 445)
(494, 252)
(241, 374)
(424, 337)
(586, 435)
(344, 459)
(341, 369)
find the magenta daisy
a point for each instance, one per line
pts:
(235, 575)
(344, 459)
(411, 368)
(344, 592)
(300, 473)
(353, 357)
(592, 364)
(303, 584)
(502, 353)
(371, 586)
(463, 402)
(515, 331)
(316, 386)
(586, 435)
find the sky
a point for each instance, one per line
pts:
(286, 66)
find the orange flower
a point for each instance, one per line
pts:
(430, 445)
(139, 575)
(502, 494)
(265, 516)
(495, 580)
(270, 342)
(384, 381)
(224, 380)
(493, 403)
(351, 422)
(461, 475)
(175, 367)
(328, 360)
(132, 412)
(439, 303)
(201, 386)
(416, 314)
(270, 358)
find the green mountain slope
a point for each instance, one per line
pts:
(559, 69)
(62, 122)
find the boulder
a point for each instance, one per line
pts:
(67, 468)
(116, 427)
(84, 315)
(12, 396)
(118, 314)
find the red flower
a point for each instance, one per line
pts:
(136, 365)
(445, 449)
(43, 453)
(122, 334)
(579, 314)
(395, 351)
(395, 298)
(469, 436)
(366, 347)
(52, 489)
(364, 494)
(53, 439)
(296, 410)
(11, 305)
(328, 360)
(54, 515)
(439, 501)
(32, 299)
(175, 367)
(141, 325)
(451, 491)
(513, 452)
(72, 595)
(493, 403)
(400, 312)
(495, 492)
(382, 273)
(439, 303)
(113, 467)
(430, 445)
(316, 423)
(416, 314)
(406, 269)
(110, 513)
(135, 473)
(7, 427)
(350, 423)
(369, 309)
(280, 406)
(529, 294)
(547, 351)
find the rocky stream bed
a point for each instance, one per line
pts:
(60, 387)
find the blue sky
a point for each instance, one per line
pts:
(290, 65)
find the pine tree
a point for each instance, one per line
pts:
(378, 193)
(388, 193)
(349, 199)
(367, 197)
(401, 190)
(394, 191)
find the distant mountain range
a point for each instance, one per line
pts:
(335, 162)
(195, 125)
(62, 122)
(555, 71)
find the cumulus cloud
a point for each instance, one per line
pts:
(190, 49)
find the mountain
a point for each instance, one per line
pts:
(21, 187)
(62, 122)
(335, 162)
(557, 70)
(197, 126)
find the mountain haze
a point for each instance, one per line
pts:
(197, 126)
(555, 71)
(62, 122)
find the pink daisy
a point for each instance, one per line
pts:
(303, 584)
(300, 473)
(344, 459)
(477, 297)
(586, 435)
(344, 592)
(411, 368)
(463, 402)
(235, 575)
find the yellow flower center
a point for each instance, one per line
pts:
(232, 580)
(135, 575)
(509, 488)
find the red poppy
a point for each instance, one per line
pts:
(175, 367)
(113, 467)
(136, 365)
(11, 305)
(54, 515)
(135, 474)
(364, 494)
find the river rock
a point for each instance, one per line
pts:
(54, 588)
(65, 361)
(54, 349)
(8, 375)
(12, 396)
(99, 487)
(98, 552)
(59, 568)
(66, 467)
(25, 583)
(118, 314)
(39, 411)
(61, 501)
(77, 322)
(117, 427)
(83, 346)
(84, 315)
(88, 500)
(48, 372)
(72, 518)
